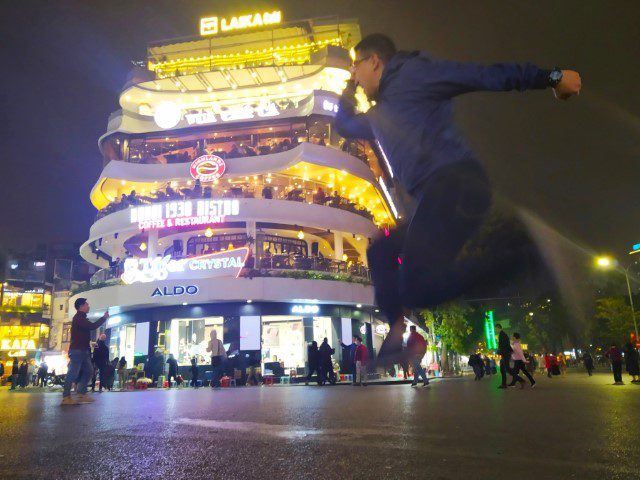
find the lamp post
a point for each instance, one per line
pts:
(607, 262)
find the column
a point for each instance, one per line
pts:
(152, 244)
(338, 249)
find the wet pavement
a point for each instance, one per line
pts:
(572, 427)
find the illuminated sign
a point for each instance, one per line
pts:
(382, 329)
(168, 115)
(329, 106)
(489, 330)
(305, 309)
(219, 264)
(17, 344)
(207, 168)
(215, 25)
(183, 213)
(175, 291)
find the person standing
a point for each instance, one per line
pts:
(504, 350)
(562, 364)
(23, 373)
(412, 122)
(313, 359)
(80, 369)
(110, 372)
(122, 373)
(631, 362)
(15, 371)
(42, 374)
(548, 364)
(1, 370)
(173, 369)
(416, 348)
(361, 357)
(487, 365)
(218, 358)
(587, 360)
(615, 357)
(100, 360)
(326, 364)
(194, 373)
(519, 364)
(350, 351)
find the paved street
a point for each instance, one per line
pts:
(573, 427)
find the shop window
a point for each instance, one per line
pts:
(66, 333)
(283, 342)
(204, 245)
(190, 338)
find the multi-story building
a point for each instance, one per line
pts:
(227, 202)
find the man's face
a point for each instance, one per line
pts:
(366, 70)
(84, 307)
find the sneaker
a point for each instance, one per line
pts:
(84, 398)
(502, 386)
(425, 384)
(69, 401)
(414, 384)
(533, 384)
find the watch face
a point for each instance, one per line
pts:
(555, 76)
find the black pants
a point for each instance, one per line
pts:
(519, 366)
(478, 372)
(451, 205)
(504, 367)
(617, 371)
(314, 369)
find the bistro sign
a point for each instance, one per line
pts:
(227, 263)
(184, 213)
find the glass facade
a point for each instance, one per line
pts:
(189, 337)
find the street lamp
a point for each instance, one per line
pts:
(608, 262)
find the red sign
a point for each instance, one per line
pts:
(207, 168)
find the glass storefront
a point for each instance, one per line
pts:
(283, 342)
(189, 337)
(122, 343)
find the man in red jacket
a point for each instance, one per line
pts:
(361, 356)
(80, 369)
(417, 347)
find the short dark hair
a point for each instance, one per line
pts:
(379, 44)
(516, 335)
(412, 328)
(79, 302)
(498, 326)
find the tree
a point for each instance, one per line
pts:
(613, 321)
(449, 322)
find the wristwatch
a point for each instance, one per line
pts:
(554, 77)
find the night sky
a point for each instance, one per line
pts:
(575, 164)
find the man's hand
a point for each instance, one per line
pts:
(106, 315)
(569, 86)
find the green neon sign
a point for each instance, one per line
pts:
(489, 330)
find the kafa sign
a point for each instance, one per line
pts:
(207, 168)
(228, 263)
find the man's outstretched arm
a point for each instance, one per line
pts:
(347, 122)
(448, 79)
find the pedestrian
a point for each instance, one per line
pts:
(218, 358)
(412, 123)
(32, 373)
(587, 360)
(487, 365)
(562, 363)
(122, 373)
(15, 371)
(23, 374)
(173, 369)
(631, 362)
(504, 350)
(100, 360)
(519, 364)
(157, 368)
(313, 359)
(349, 357)
(476, 363)
(1, 372)
(326, 363)
(615, 357)
(416, 348)
(42, 374)
(194, 373)
(361, 357)
(79, 370)
(110, 373)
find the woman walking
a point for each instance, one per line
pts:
(632, 362)
(519, 363)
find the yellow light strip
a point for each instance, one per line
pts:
(299, 53)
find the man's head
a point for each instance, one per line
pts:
(102, 337)
(373, 52)
(516, 336)
(81, 305)
(498, 327)
(412, 328)
(355, 337)
(358, 340)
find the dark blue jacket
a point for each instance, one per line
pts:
(412, 120)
